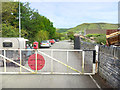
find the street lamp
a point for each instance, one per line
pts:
(19, 22)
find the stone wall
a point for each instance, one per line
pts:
(109, 63)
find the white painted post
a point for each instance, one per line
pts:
(94, 65)
(20, 60)
(97, 57)
(67, 60)
(51, 62)
(4, 61)
(83, 61)
(36, 59)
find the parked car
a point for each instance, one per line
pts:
(57, 40)
(45, 43)
(52, 41)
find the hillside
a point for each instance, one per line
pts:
(62, 30)
(89, 26)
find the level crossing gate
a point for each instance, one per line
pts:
(48, 61)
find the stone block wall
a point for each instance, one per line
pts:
(109, 62)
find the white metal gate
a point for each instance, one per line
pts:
(57, 61)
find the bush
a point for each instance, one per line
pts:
(94, 35)
(62, 38)
(70, 35)
(89, 35)
(101, 40)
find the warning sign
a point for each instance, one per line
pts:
(32, 62)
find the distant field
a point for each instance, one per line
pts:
(89, 26)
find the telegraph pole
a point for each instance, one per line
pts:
(19, 22)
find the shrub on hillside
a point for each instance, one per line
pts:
(62, 38)
(101, 40)
(94, 35)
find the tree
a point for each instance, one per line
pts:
(13, 32)
(8, 10)
(57, 35)
(10, 31)
(32, 23)
(70, 35)
(42, 35)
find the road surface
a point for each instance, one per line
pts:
(52, 81)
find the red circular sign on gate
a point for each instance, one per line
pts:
(32, 62)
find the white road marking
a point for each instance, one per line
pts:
(95, 82)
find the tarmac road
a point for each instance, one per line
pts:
(52, 81)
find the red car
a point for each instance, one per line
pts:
(51, 41)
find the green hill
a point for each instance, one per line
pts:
(89, 26)
(62, 30)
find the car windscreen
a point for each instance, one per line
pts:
(44, 42)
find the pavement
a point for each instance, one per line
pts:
(52, 81)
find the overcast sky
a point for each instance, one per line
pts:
(71, 14)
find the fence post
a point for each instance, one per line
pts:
(4, 61)
(97, 56)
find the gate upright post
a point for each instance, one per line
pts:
(51, 62)
(97, 56)
(20, 60)
(67, 60)
(36, 58)
(83, 61)
(4, 61)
